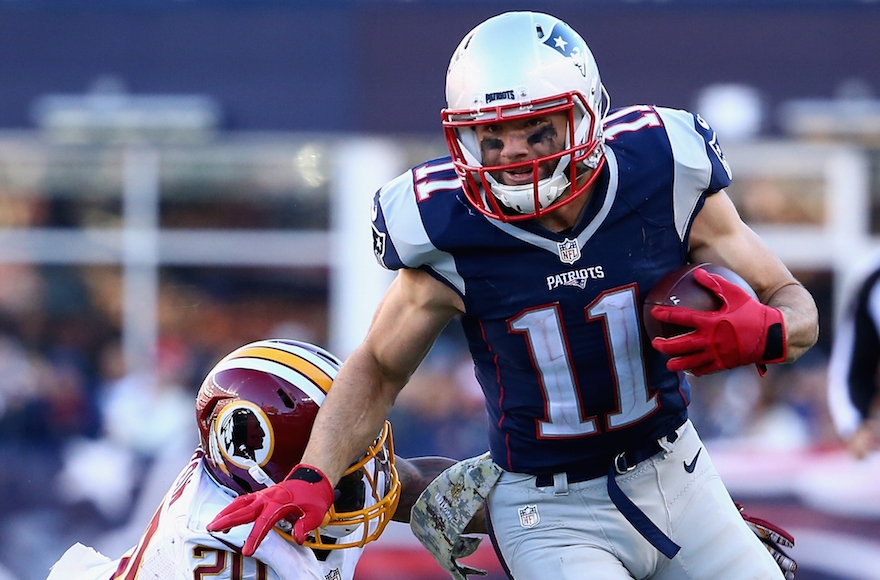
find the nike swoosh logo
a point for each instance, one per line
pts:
(689, 467)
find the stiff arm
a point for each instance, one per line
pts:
(413, 312)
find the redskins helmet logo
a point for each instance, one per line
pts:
(241, 435)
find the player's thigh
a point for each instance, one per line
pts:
(569, 563)
(540, 535)
(715, 542)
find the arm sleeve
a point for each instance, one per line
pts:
(699, 165)
(400, 238)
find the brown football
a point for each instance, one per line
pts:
(679, 288)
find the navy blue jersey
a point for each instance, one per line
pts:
(553, 320)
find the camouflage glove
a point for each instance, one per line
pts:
(446, 507)
(775, 539)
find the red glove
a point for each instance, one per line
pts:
(741, 332)
(306, 495)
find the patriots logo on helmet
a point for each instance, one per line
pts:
(565, 41)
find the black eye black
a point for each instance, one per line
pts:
(546, 132)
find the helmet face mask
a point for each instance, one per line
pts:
(255, 411)
(520, 66)
(370, 483)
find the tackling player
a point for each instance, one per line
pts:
(543, 230)
(254, 411)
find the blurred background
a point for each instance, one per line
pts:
(179, 177)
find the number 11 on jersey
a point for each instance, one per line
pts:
(543, 328)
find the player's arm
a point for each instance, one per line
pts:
(719, 235)
(413, 312)
(452, 506)
(415, 475)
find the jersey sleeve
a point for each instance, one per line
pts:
(699, 165)
(400, 236)
(698, 155)
(384, 247)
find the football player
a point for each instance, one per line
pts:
(853, 391)
(254, 412)
(543, 230)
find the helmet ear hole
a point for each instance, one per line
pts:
(243, 483)
(352, 493)
(285, 398)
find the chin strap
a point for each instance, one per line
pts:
(549, 190)
(258, 473)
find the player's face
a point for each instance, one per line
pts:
(520, 140)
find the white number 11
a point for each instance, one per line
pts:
(544, 331)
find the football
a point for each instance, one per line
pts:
(679, 288)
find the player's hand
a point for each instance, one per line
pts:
(865, 438)
(775, 539)
(741, 332)
(305, 496)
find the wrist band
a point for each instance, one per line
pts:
(306, 474)
(774, 349)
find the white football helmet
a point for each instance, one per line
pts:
(521, 65)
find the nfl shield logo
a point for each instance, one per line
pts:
(569, 252)
(528, 516)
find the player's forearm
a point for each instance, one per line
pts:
(415, 475)
(801, 318)
(350, 418)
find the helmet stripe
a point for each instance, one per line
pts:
(291, 375)
(295, 361)
(328, 367)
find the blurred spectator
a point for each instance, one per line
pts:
(147, 419)
(784, 410)
(722, 404)
(853, 395)
(143, 414)
(791, 413)
(145, 411)
(44, 403)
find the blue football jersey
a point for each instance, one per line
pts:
(554, 320)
